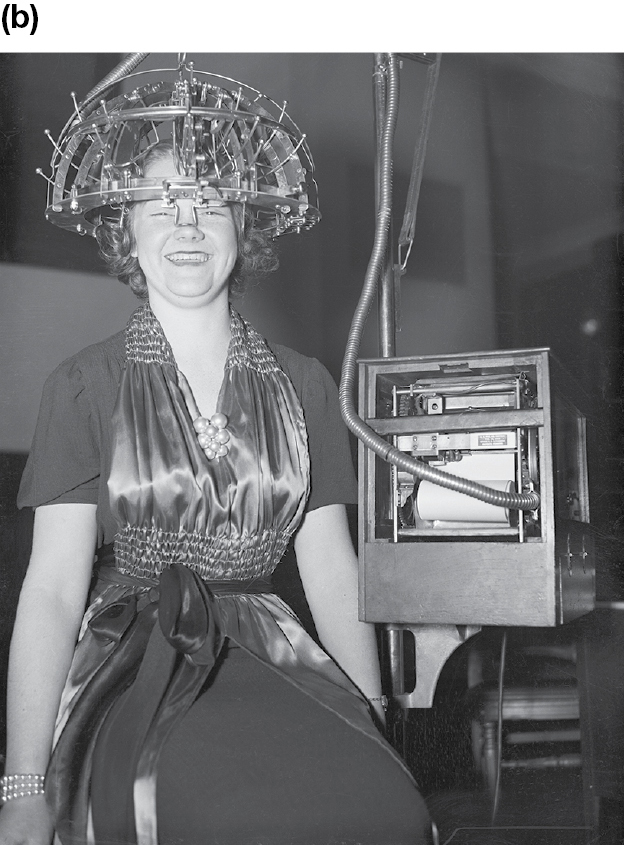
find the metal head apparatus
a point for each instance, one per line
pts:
(229, 143)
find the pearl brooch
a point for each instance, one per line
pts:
(212, 435)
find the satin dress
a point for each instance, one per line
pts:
(197, 710)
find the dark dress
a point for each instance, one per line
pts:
(197, 710)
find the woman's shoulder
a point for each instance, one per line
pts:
(74, 414)
(304, 372)
(87, 381)
(109, 350)
(94, 363)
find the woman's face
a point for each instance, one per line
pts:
(187, 261)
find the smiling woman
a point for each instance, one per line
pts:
(186, 252)
(188, 705)
(255, 250)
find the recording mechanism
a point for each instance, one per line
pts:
(434, 554)
(497, 458)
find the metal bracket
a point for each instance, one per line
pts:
(434, 644)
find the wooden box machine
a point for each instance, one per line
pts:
(432, 555)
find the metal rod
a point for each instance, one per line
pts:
(386, 303)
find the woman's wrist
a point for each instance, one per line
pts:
(14, 786)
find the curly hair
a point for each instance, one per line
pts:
(256, 251)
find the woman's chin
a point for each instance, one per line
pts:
(187, 292)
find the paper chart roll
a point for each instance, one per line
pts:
(437, 503)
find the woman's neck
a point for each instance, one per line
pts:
(199, 333)
(199, 338)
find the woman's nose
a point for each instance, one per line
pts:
(186, 219)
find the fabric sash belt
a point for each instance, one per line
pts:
(113, 741)
(109, 574)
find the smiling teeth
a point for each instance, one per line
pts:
(188, 257)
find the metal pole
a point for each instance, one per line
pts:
(386, 300)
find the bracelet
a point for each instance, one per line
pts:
(21, 786)
(383, 699)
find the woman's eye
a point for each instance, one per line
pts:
(159, 211)
(213, 210)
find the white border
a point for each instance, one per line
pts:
(119, 26)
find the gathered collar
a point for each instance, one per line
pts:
(147, 343)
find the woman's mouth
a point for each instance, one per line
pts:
(188, 257)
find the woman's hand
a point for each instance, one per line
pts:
(380, 711)
(26, 821)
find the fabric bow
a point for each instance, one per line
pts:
(113, 740)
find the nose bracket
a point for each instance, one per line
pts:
(200, 191)
(177, 216)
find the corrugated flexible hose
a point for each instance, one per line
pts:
(125, 66)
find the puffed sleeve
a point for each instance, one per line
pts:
(64, 464)
(332, 473)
